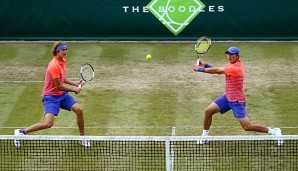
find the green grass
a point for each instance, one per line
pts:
(133, 96)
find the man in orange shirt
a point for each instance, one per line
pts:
(233, 98)
(55, 95)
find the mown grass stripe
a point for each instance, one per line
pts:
(9, 94)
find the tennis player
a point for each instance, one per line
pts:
(55, 95)
(233, 98)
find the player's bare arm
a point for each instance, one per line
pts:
(73, 83)
(64, 88)
(213, 70)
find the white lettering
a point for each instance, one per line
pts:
(161, 9)
(145, 10)
(182, 9)
(220, 8)
(211, 9)
(192, 8)
(125, 8)
(135, 9)
(171, 9)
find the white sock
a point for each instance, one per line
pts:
(271, 131)
(205, 132)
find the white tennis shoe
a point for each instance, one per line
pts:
(202, 141)
(278, 133)
(85, 143)
(17, 142)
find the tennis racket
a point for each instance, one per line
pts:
(202, 46)
(87, 74)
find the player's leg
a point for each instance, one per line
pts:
(47, 123)
(247, 126)
(239, 111)
(80, 121)
(76, 108)
(51, 106)
(209, 112)
(70, 104)
(219, 105)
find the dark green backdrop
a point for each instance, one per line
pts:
(116, 20)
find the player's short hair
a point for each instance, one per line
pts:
(56, 44)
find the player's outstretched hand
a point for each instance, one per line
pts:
(195, 67)
(199, 67)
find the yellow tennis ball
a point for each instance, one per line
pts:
(148, 57)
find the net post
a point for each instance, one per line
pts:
(172, 148)
(168, 155)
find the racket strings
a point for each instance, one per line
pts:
(203, 46)
(87, 73)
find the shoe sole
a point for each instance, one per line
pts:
(279, 141)
(17, 142)
(202, 142)
(85, 144)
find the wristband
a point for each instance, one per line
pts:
(208, 66)
(201, 69)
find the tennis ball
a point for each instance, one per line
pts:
(148, 57)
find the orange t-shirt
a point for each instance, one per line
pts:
(234, 82)
(56, 69)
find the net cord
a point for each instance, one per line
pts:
(148, 138)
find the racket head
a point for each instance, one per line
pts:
(87, 72)
(202, 45)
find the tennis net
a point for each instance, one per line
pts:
(154, 153)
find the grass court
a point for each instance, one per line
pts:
(132, 96)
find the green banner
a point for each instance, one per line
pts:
(148, 19)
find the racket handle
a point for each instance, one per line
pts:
(198, 61)
(81, 84)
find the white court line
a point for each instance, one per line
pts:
(145, 81)
(21, 81)
(135, 127)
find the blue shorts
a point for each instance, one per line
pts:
(52, 104)
(238, 108)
